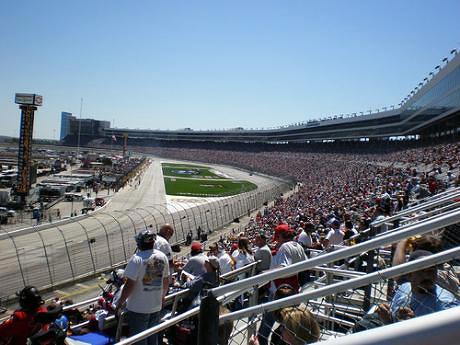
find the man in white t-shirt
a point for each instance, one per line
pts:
(335, 235)
(162, 244)
(147, 280)
(305, 235)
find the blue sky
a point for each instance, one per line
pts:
(216, 64)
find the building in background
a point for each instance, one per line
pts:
(73, 127)
(65, 124)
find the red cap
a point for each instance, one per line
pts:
(196, 246)
(283, 228)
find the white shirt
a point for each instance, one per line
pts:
(147, 268)
(225, 262)
(163, 246)
(335, 237)
(243, 259)
(305, 240)
(288, 253)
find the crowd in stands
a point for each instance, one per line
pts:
(336, 198)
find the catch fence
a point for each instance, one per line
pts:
(49, 255)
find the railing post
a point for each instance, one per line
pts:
(369, 269)
(208, 325)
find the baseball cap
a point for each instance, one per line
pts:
(283, 229)
(196, 246)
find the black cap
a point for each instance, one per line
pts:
(29, 298)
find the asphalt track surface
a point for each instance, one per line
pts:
(50, 255)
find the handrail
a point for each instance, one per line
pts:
(170, 296)
(354, 283)
(176, 319)
(436, 328)
(420, 207)
(425, 226)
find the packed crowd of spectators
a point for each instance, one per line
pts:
(337, 196)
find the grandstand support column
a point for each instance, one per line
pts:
(125, 144)
(367, 301)
(209, 320)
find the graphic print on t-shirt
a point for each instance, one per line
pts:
(153, 273)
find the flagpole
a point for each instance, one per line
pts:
(79, 128)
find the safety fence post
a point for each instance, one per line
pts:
(208, 324)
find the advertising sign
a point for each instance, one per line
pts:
(28, 99)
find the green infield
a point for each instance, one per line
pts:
(200, 181)
(189, 171)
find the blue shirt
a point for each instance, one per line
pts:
(422, 304)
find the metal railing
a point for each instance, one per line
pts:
(228, 292)
(62, 252)
(436, 328)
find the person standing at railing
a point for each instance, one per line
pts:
(289, 252)
(147, 280)
(162, 244)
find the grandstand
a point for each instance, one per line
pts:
(431, 109)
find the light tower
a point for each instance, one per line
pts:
(28, 104)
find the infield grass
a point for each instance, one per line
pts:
(199, 181)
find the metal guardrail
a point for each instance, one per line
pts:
(436, 328)
(353, 283)
(85, 246)
(430, 224)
